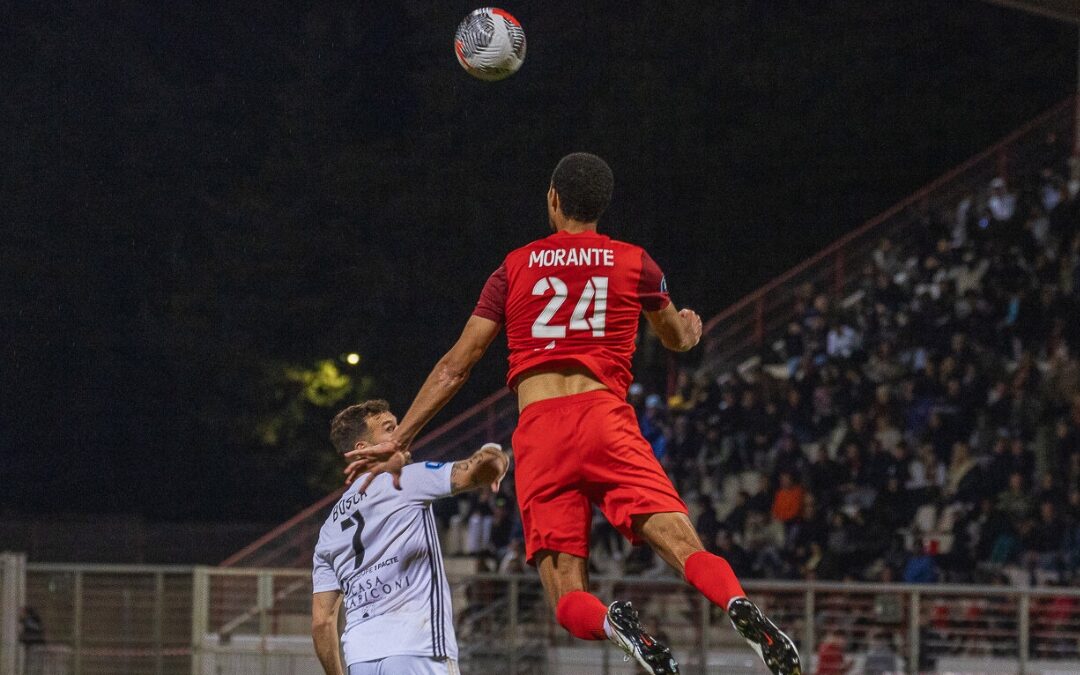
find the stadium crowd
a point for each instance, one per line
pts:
(925, 427)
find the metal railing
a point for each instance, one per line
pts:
(103, 619)
(136, 620)
(12, 599)
(256, 621)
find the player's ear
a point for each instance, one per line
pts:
(553, 198)
(360, 445)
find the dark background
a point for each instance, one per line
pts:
(197, 197)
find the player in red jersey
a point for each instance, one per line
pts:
(570, 304)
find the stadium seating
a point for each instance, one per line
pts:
(951, 318)
(921, 426)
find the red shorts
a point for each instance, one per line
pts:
(575, 451)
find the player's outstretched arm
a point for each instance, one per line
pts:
(679, 331)
(324, 630)
(446, 378)
(487, 466)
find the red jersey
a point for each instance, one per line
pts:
(573, 300)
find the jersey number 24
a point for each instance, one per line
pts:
(593, 295)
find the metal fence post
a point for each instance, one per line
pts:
(200, 606)
(265, 593)
(514, 590)
(12, 597)
(77, 616)
(808, 622)
(159, 614)
(1025, 629)
(706, 617)
(607, 590)
(914, 619)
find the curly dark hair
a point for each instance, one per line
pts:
(584, 183)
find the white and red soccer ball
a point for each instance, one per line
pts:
(490, 44)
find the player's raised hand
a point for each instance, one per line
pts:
(392, 466)
(364, 459)
(497, 449)
(693, 321)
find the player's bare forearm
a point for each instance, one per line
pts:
(679, 331)
(324, 631)
(486, 466)
(445, 379)
(328, 650)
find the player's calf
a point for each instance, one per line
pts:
(585, 617)
(713, 576)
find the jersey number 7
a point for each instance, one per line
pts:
(594, 294)
(356, 520)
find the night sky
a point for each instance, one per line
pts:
(196, 195)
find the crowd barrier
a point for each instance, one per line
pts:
(145, 620)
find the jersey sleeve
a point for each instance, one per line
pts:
(323, 577)
(492, 303)
(426, 481)
(652, 285)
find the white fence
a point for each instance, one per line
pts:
(127, 620)
(12, 597)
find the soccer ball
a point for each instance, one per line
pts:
(490, 44)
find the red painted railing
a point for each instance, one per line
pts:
(732, 336)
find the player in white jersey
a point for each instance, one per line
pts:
(378, 555)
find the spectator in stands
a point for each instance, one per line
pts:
(927, 474)
(726, 547)
(830, 655)
(920, 567)
(788, 500)
(707, 523)
(503, 523)
(886, 258)
(881, 658)
(824, 477)
(735, 521)
(1015, 502)
(1002, 203)
(654, 425)
(513, 559)
(1045, 538)
(965, 479)
(843, 341)
(479, 520)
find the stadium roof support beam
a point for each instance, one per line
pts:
(1061, 10)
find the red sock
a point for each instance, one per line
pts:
(712, 575)
(582, 614)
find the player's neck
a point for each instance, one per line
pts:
(575, 227)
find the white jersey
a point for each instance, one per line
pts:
(381, 550)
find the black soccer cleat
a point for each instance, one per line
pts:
(774, 647)
(631, 637)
